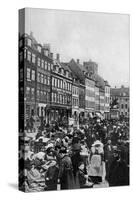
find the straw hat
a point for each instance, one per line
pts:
(97, 142)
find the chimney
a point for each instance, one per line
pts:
(58, 57)
(77, 61)
(31, 34)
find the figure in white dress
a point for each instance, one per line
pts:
(96, 169)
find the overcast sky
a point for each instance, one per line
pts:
(103, 38)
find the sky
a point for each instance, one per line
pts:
(101, 37)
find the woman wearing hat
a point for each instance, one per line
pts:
(65, 176)
(96, 171)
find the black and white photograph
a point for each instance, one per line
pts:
(74, 100)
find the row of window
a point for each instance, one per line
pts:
(30, 92)
(60, 98)
(119, 98)
(75, 102)
(28, 42)
(75, 90)
(31, 57)
(30, 74)
(61, 71)
(43, 95)
(42, 78)
(90, 93)
(107, 90)
(107, 100)
(61, 84)
(124, 113)
(124, 106)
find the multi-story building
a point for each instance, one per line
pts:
(44, 65)
(107, 100)
(102, 90)
(56, 91)
(61, 91)
(37, 66)
(97, 98)
(79, 79)
(81, 102)
(89, 85)
(75, 100)
(120, 100)
(90, 95)
(102, 100)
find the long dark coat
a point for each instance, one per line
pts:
(66, 173)
(118, 174)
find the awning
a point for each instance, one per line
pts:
(42, 105)
(99, 115)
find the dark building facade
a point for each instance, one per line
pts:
(80, 84)
(61, 92)
(36, 69)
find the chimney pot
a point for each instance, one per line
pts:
(78, 61)
(58, 57)
(51, 55)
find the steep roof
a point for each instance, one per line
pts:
(99, 81)
(76, 70)
(65, 66)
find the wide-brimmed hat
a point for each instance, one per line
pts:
(97, 142)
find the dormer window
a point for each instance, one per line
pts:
(57, 68)
(46, 52)
(51, 66)
(29, 42)
(39, 48)
(48, 66)
(66, 73)
(62, 71)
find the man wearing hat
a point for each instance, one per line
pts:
(108, 155)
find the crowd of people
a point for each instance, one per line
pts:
(55, 157)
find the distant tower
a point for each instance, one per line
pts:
(91, 67)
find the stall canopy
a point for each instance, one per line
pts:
(99, 115)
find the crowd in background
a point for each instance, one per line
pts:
(56, 157)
